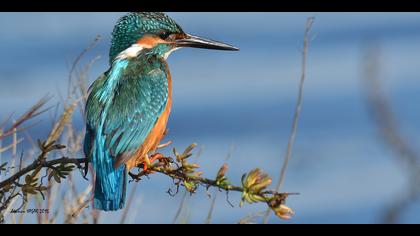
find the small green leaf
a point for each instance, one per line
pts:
(28, 190)
(190, 186)
(28, 179)
(42, 188)
(243, 180)
(3, 166)
(56, 178)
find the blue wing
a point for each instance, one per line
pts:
(122, 108)
(128, 113)
(134, 113)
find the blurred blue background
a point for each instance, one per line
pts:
(243, 103)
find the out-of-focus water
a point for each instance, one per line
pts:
(246, 100)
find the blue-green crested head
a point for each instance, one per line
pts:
(154, 34)
(131, 28)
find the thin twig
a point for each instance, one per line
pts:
(10, 146)
(389, 131)
(212, 206)
(213, 202)
(32, 112)
(76, 62)
(184, 196)
(292, 138)
(129, 202)
(134, 213)
(181, 207)
(60, 124)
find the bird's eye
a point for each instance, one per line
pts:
(165, 35)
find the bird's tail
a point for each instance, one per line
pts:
(110, 183)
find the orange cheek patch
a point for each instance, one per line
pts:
(150, 41)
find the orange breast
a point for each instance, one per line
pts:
(156, 134)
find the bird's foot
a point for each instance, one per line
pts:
(147, 163)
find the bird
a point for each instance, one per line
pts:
(128, 106)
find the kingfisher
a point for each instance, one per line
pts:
(128, 106)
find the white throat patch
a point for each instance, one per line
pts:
(130, 52)
(135, 50)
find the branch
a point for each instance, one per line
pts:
(44, 164)
(253, 189)
(40, 162)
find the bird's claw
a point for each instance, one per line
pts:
(147, 163)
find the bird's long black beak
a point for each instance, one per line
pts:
(198, 42)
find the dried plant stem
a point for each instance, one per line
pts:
(76, 62)
(390, 132)
(181, 207)
(128, 207)
(216, 194)
(34, 111)
(212, 206)
(13, 164)
(10, 146)
(14, 151)
(184, 196)
(134, 213)
(292, 137)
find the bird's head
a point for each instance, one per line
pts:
(156, 33)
